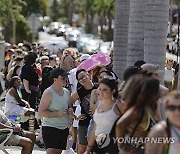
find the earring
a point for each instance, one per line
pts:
(112, 97)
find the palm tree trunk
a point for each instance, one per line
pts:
(120, 36)
(136, 32)
(155, 32)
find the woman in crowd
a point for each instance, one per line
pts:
(15, 70)
(94, 94)
(30, 82)
(109, 107)
(14, 105)
(140, 95)
(83, 93)
(54, 110)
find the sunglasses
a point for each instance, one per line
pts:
(62, 77)
(173, 107)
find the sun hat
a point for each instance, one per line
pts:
(150, 68)
(84, 57)
(102, 57)
(89, 64)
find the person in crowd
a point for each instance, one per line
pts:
(176, 72)
(15, 70)
(71, 52)
(67, 63)
(83, 94)
(19, 137)
(167, 129)
(153, 71)
(139, 63)
(53, 61)
(169, 74)
(54, 110)
(130, 71)
(14, 105)
(59, 53)
(109, 107)
(141, 95)
(76, 107)
(30, 83)
(94, 94)
(9, 58)
(46, 69)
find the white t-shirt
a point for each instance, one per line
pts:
(169, 74)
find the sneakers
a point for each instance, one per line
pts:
(39, 144)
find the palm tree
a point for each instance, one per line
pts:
(155, 32)
(136, 32)
(121, 36)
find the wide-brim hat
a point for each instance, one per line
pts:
(102, 57)
(89, 64)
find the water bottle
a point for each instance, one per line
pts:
(15, 117)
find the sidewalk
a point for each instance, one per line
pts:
(17, 150)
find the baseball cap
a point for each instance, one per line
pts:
(130, 71)
(56, 72)
(43, 58)
(150, 68)
(84, 57)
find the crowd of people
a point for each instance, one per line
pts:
(75, 94)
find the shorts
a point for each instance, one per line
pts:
(15, 139)
(82, 135)
(55, 138)
(90, 127)
(77, 113)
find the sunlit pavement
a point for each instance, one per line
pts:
(17, 150)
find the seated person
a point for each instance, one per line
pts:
(14, 105)
(19, 137)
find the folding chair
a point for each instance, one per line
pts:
(4, 136)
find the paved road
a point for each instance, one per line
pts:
(17, 150)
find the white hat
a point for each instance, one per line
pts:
(84, 57)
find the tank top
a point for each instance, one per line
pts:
(58, 103)
(10, 102)
(105, 120)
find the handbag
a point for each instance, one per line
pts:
(103, 140)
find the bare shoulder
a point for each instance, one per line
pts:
(47, 94)
(128, 117)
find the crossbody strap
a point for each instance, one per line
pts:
(137, 124)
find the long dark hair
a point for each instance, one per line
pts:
(143, 92)
(112, 84)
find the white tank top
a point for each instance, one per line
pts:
(105, 120)
(10, 102)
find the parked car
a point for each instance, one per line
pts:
(83, 39)
(73, 36)
(62, 29)
(53, 27)
(92, 45)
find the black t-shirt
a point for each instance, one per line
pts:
(45, 78)
(29, 73)
(84, 96)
